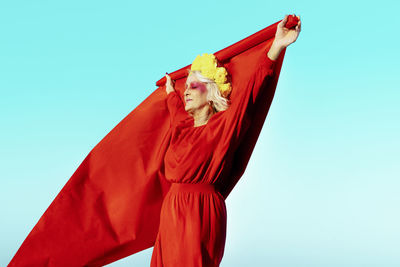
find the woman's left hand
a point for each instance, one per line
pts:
(284, 36)
(169, 84)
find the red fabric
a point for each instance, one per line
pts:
(110, 207)
(292, 21)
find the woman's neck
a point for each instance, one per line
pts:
(202, 115)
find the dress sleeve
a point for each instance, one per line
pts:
(238, 116)
(176, 108)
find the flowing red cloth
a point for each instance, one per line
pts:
(110, 207)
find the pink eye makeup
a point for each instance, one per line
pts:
(198, 86)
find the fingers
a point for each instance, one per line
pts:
(282, 23)
(169, 82)
(298, 27)
(285, 18)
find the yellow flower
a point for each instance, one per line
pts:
(208, 72)
(196, 65)
(225, 89)
(220, 75)
(208, 66)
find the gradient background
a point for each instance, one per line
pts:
(322, 187)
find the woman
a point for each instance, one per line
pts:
(192, 226)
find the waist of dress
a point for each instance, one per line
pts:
(192, 187)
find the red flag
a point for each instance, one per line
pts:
(110, 207)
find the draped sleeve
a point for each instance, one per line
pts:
(237, 118)
(176, 108)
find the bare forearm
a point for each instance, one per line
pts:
(274, 51)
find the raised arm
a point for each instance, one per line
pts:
(239, 115)
(174, 103)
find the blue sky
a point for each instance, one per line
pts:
(322, 186)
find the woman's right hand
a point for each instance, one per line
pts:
(284, 36)
(169, 85)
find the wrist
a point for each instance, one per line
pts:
(277, 45)
(275, 50)
(170, 91)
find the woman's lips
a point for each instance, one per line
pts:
(187, 100)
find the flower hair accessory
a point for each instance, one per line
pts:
(208, 66)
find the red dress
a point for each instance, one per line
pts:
(192, 226)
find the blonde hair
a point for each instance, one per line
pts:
(218, 102)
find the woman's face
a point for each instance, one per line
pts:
(195, 94)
